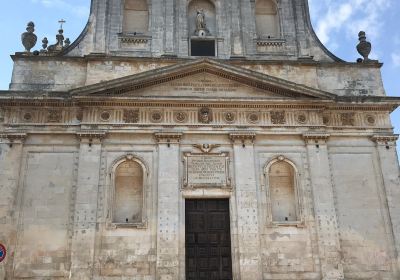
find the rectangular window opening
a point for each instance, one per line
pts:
(202, 48)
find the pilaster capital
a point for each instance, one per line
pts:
(316, 138)
(13, 137)
(242, 137)
(168, 137)
(91, 136)
(385, 139)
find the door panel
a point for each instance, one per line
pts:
(208, 240)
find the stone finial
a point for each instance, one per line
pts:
(28, 38)
(45, 43)
(61, 43)
(364, 47)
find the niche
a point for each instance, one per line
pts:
(128, 194)
(282, 189)
(136, 17)
(267, 21)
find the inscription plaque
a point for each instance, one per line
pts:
(206, 170)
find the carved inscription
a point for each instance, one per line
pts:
(204, 85)
(207, 170)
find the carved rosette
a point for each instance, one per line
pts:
(253, 117)
(156, 117)
(180, 117)
(229, 117)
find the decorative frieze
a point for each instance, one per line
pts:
(183, 114)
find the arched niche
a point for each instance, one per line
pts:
(136, 17)
(208, 8)
(267, 19)
(127, 193)
(283, 190)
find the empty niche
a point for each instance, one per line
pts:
(128, 196)
(282, 189)
(267, 20)
(136, 17)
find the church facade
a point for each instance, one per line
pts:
(202, 139)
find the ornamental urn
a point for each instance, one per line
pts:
(364, 47)
(28, 38)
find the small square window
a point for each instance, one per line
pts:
(202, 48)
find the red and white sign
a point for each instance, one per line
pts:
(3, 252)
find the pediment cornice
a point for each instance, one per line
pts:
(256, 80)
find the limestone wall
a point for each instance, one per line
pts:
(52, 74)
(46, 211)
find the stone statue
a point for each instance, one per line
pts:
(200, 20)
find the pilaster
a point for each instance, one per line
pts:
(169, 32)
(389, 167)
(168, 223)
(11, 151)
(236, 37)
(246, 205)
(324, 207)
(99, 13)
(85, 218)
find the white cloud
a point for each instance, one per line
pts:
(396, 59)
(80, 11)
(348, 17)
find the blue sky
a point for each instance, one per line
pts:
(336, 22)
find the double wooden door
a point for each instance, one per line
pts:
(208, 240)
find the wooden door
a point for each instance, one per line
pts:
(208, 240)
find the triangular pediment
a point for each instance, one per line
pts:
(203, 78)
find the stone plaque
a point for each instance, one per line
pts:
(207, 170)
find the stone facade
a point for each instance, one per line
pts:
(102, 144)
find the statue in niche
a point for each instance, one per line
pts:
(201, 26)
(200, 20)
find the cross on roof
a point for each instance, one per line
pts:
(61, 22)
